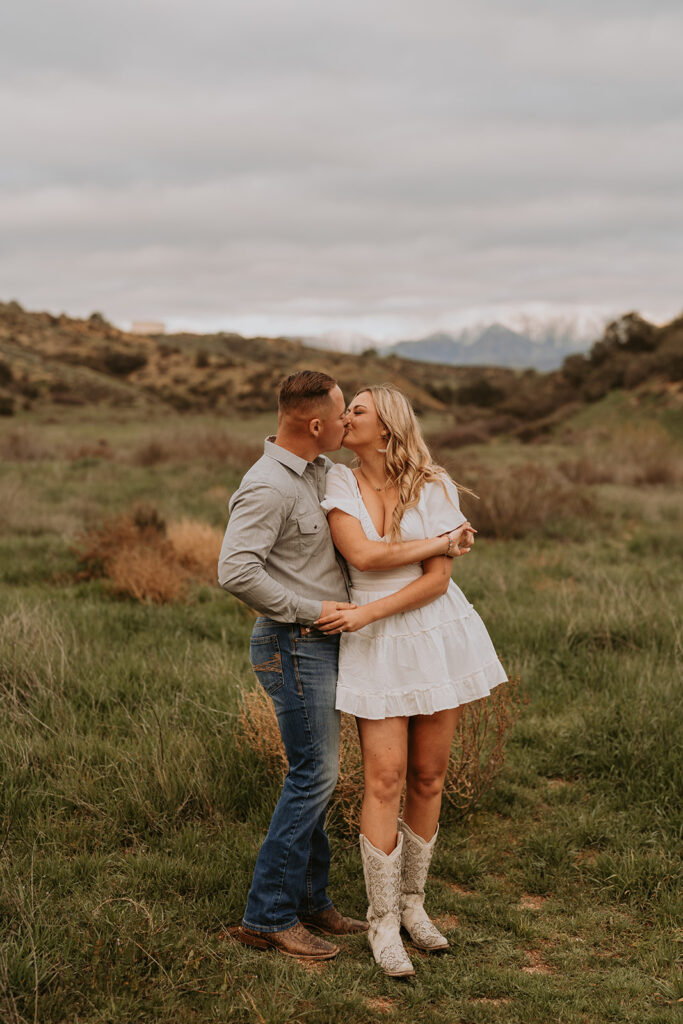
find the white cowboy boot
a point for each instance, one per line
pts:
(417, 855)
(383, 880)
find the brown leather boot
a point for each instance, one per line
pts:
(331, 922)
(295, 941)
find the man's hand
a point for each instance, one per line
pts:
(346, 619)
(334, 606)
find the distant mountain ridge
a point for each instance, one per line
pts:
(494, 345)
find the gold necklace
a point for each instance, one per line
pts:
(386, 484)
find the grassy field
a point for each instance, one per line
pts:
(131, 817)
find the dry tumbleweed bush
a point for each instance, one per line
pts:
(477, 756)
(144, 559)
(197, 547)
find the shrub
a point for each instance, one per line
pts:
(196, 547)
(144, 559)
(634, 456)
(151, 453)
(146, 573)
(631, 333)
(512, 503)
(7, 407)
(646, 455)
(481, 392)
(589, 470)
(98, 547)
(475, 432)
(477, 756)
(575, 369)
(122, 363)
(23, 446)
(95, 450)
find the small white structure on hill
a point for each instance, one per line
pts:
(147, 327)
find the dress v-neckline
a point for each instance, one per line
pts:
(367, 510)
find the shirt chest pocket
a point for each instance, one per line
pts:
(311, 524)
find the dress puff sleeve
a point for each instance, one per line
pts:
(341, 491)
(440, 507)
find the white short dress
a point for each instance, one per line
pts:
(416, 662)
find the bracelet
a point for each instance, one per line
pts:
(449, 549)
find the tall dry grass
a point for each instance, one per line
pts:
(146, 574)
(25, 445)
(196, 547)
(513, 502)
(186, 446)
(645, 455)
(477, 756)
(142, 557)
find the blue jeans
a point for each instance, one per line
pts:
(297, 667)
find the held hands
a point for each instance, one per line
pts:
(460, 540)
(346, 619)
(330, 607)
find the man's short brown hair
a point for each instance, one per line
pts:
(303, 389)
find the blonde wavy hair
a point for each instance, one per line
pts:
(408, 461)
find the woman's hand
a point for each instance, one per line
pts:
(461, 539)
(345, 620)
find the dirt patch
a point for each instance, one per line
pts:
(503, 1001)
(380, 1004)
(558, 783)
(527, 902)
(445, 922)
(536, 964)
(454, 887)
(312, 966)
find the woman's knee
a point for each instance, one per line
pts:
(385, 783)
(426, 781)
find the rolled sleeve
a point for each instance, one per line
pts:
(257, 517)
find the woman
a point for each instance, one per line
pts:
(412, 653)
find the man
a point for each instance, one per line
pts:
(278, 557)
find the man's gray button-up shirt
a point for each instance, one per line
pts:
(277, 554)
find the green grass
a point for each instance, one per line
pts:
(130, 816)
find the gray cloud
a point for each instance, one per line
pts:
(384, 163)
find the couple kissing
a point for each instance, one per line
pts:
(350, 572)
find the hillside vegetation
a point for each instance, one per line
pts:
(47, 359)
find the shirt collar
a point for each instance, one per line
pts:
(287, 458)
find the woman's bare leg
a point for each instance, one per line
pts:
(429, 746)
(384, 745)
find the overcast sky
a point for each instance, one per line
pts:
(296, 166)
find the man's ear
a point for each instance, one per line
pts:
(315, 426)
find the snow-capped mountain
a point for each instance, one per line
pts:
(519, 339)
(494, 345)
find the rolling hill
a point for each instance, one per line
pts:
(47, 359)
